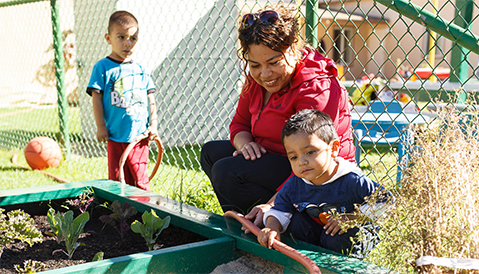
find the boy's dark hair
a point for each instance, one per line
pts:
(311, 121)
(121, 18)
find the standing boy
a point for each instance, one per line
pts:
(322, 184)
(123, 101)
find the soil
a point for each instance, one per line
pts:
(96, 236)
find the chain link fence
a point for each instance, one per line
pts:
(411, 52)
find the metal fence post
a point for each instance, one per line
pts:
(460, 55)
(312, 20)
(64, 137)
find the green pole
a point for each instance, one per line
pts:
(312, 21)
(451, 31)
(60, 78)
(460, 55)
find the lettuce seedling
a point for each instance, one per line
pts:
(119, 218)
(30, 266)
(17, 225)
(68, 228)
(54, 225)
(151, 227)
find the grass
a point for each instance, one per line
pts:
(190, 186)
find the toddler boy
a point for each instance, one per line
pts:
(322, 184)
(123, 101)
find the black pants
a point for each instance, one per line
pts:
(241, 184)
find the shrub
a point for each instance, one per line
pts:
(437, 209)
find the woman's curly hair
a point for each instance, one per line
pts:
(278, 36)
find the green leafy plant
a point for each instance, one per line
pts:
(151, 227)
(67, 228)
(83, 201)
(54, 224)
(98, 257)
(119, 217)
(30, 266)
(17, 225)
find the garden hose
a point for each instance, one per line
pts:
(61, 180)
(124, 156)
(278, 245)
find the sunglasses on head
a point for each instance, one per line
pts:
(265, 17)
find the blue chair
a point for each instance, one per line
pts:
(384, 132)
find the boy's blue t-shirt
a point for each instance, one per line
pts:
(125, 87)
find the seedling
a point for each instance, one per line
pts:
(17, 225)
(118, 219)
(64, 226)
(54, 225)
(83, 201)
(30, 266)
(98, 257)
(151, 227)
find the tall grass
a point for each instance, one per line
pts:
(437, 207)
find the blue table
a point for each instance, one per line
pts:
(388, 129)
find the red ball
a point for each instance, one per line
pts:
(43, 152)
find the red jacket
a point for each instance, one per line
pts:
(314, 85)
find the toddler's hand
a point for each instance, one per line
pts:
(266, 237)
(102, 134)
(333, 225)
(152, 133)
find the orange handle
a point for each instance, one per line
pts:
(278, 245)
(124, 156)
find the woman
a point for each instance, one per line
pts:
(285, 76)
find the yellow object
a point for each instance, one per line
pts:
(366, 92)
(341, 72)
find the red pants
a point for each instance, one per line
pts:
(135, 168)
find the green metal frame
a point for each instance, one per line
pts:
(225, 234)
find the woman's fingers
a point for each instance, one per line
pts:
(251, 151)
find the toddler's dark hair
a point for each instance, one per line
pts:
(311, 121)
(121, 18)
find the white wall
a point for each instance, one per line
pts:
(187, 52)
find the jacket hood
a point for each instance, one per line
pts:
(313, 65)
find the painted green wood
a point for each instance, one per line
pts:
(190, 258)
(225, 234)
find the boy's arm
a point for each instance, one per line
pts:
(153, 128)
(267, 235)
(101, 129)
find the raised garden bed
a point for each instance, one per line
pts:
(96, 237)
(213, 239)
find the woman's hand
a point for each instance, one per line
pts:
(257, 214)
(250, 151)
